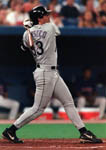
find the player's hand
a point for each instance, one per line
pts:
(27, 23)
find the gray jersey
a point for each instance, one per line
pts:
(45, 50)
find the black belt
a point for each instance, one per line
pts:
(52, 67)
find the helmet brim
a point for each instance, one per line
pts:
(48, 11)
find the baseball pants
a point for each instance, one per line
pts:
(99, 101)
(10, 104)
(49, 84)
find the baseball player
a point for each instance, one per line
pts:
(41, 40)
(8, 103)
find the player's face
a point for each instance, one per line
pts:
(46, 18)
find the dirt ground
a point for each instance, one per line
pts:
(51, 144)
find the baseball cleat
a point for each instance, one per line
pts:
(89, 137)
(7, 134)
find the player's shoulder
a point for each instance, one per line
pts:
(35, 27)
(49, 24)
(48, 27)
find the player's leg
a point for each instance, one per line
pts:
(44, 90)
(34, 112)
(10, 104)
(81, 102)
(14, 108)
(45, 82)
(62, 93)
(101, 102)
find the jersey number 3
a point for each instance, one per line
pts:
(40, 49)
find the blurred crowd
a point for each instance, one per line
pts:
(80, 13)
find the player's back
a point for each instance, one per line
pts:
(45, 44)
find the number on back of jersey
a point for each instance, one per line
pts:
(39, 48)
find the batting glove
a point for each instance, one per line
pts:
(27, 23)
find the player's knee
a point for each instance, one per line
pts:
(68, 105)
(103, 101)
(38, 113)
(37, 110)
(16, 104)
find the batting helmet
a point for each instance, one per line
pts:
(38, 12)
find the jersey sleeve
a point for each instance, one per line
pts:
(56, 29)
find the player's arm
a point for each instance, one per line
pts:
(27, 42)
(57, 31)
(24, 45)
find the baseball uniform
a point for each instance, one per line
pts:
(48, 81)
(8, 103)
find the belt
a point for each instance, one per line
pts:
(46, 67)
